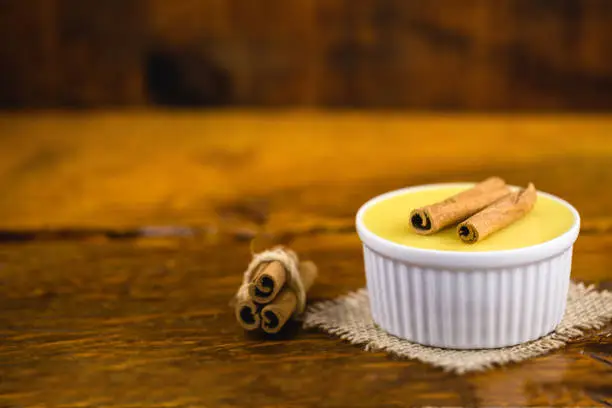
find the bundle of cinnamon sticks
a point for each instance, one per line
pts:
(273, 290)
(480, 211)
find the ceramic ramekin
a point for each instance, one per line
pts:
(467, 300)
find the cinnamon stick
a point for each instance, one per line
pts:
(267, 282)
(278, 312)
(246, 311)
(432, 218)
(498, 215)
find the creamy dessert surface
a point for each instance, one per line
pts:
(390, 219)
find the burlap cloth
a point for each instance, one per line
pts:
(349, 318)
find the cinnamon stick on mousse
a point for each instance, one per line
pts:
(267, 282)
(276, 313)
(498, 215)
(432, 218)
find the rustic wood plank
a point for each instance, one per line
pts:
(101, 47)
(514, 55)
(148, 322)
(140, 225)
(289, 171)
(67, 53)
(29, 60)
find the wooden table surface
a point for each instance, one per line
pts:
(124, 235)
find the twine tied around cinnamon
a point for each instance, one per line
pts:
(273, 289)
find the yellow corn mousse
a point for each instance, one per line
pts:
(389, 218)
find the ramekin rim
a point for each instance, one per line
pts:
(460, 259)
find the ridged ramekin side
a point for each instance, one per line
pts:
(467, 308)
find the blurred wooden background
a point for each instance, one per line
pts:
(446, 54)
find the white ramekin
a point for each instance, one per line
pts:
(467, 300)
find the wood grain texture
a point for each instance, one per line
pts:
(116, 226)
(473, 55)
(278, 170)
(71, 53)
(125, 323)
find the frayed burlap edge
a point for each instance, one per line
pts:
(348, 317)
